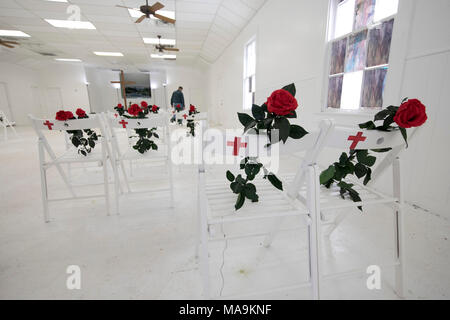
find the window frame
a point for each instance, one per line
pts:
(329, 40)
(245, 76)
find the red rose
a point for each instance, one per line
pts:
(61, 115)
(134, 110)
(178, 106)
(144, 104)
(69, 115)
(412, 113)
(154, 108)
(120, 106)
(192, 108)
(80, 113)
(281, 102)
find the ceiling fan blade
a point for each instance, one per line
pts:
(119, 6)
(171, 49)
(6, 45)
(163, 18)
(140, 19)
(157, 6)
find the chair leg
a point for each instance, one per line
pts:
(313, 230)
(399, 233)
(106, 181)
(44, 189)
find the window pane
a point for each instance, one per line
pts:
(344, 18)
(364, 13)
(374, 81)
(250, 59)
(356, 52)
(334, 92)
(380, 44)
(351, 90)
(385, 8)
(338, 56)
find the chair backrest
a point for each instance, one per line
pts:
(353, 138)
(41, 125)
(153, 120)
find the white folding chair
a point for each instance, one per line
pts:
(342, 138)
(6, 123)
(216, 204)
(71, 156)
(124, 152)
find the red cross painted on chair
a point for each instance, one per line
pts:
(356, 139)
(123, 123)
(236, 144)
(49, 124)
(185, 116)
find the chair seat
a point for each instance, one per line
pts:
(272, 203)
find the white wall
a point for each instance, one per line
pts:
(28, 89)
(291, 47)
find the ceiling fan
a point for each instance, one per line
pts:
(7, 43)
(150, 10)
(161, 48)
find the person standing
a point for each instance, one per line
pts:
(177, 100)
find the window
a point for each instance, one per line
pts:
(249, 74)
(359, 48)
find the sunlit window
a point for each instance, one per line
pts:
(249, 75)
(359, 52)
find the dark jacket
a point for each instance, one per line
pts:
(177, 98)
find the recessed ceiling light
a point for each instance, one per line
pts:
(69, 24)
(170, 42)
(137, 13)
(109, 54)
(163, 56)
(13, 33)
(68, 60)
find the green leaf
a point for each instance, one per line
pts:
(258, 112)
(275, 181)
(364, 158)
(91, 143)
(360, 170)
(239, 202)
(284, 127)
(250, 192)
(250, 125)
(297, 132)
(343, 159)
(230, 176)
(367, 125)
(405, 135)
(291, 89)
(382, 114)
(75, 141)
(368, 176)
(327, 175)
(245, 119)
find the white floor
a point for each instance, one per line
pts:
(148, 251)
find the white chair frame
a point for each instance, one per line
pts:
(5, 123)
(307, 173)
(118, 157)
(339, 139)
(44, 148)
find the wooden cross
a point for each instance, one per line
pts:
(122, 86)
(356, 139)
(236, 145)
(49, 124)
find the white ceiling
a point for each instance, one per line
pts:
(204, 28)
